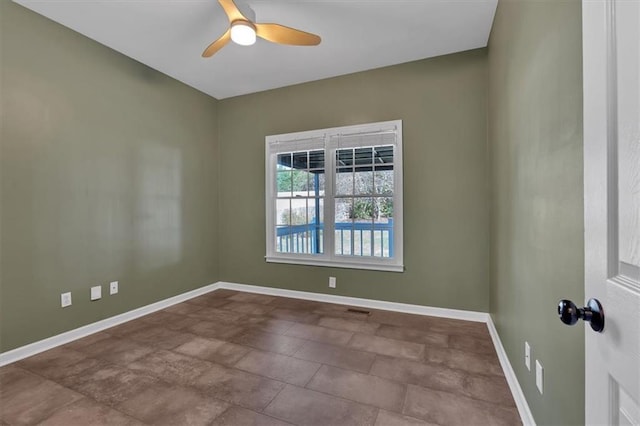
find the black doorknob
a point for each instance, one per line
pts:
(592, 313)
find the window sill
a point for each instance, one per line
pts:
(335, 264)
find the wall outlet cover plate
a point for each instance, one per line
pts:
(332, 282)
(65, 299)
(96, 292)
(539, 376)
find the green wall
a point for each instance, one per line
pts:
(108, 172)
(442, 103)
(535, 140)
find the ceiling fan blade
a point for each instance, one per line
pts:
(232, 10)
(277, 33)
(217, 45)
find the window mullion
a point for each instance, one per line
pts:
(329, 198)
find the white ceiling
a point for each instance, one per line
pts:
(357, 35)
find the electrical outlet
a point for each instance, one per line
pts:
(96, 292)
(332, 282)
(527, 355)
(65, 299)
(113, 287)
(539, 376)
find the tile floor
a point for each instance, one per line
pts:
(232, 358)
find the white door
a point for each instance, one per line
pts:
(611, 54)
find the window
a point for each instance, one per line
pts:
(334, 197)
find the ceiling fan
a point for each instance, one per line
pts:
(243, 30)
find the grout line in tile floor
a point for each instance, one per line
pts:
(233, 365)
(263, 409)
(375, 358)
(404, 399)
(314, 375)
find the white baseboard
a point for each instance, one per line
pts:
(75, 334)
(69, 336)
(510, 375)
(363, 303)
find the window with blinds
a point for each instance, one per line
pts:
(334, 197)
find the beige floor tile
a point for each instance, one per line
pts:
(183, 308)
(388, 418)
(271, 342)
(389, 347)
(342, 311)
(85, 411)
(429, 323)
(306, 407)
(417, 373)
(336, 356)
(128, 327)
(451, 409)
(170, 321)
(58, 363)
(271, 325)
(294, 315)
(335, 309)
(295, 304)
(236, 416)
(215, 330)
(319, 334)
(472, 362)
(399, 319)
(109, 384)
(159, 337)
(173, 405)
(279, 367)
(117, 350)
(219, 315)
(252, 298)
(172, 367)
(249, 308)
(413, 335)
(213, 350)
(489, 388)
(14, 380)
(239, 388)
(358, 326)
(33, 404)
(455, 326)
(370, 390)
(472, 344)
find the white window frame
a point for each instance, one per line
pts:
(322, 139)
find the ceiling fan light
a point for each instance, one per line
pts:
(243, 33)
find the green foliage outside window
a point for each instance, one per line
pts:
(296, 180)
